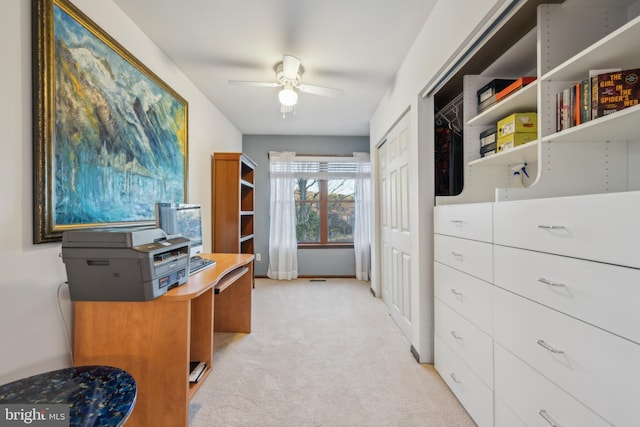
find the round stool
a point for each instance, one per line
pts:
(96, 395)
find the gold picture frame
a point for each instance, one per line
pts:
(110, 138)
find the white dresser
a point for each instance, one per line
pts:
(559, 306)
(565, 309)
(463, 272)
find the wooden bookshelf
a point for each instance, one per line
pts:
(233, 181)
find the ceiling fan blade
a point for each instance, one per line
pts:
(247, 83)
(321, 90)
(290, 67)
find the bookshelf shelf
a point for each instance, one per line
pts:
(526, 153)
(611, 50)
(523, 100)
(621, 126)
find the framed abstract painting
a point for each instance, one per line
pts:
(110, 137)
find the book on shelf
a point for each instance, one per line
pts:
(569, 104)
(196, 369)
(593, 94)
(585, 100)
(576, 99)
(614, 91)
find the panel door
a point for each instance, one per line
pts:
(395, 191)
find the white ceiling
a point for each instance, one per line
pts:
(354, 45)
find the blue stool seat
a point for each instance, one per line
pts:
(96, 395)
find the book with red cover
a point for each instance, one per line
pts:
(518, 84)
(614, 91)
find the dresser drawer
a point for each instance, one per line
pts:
(471, 221)
(599, 369)
(601, 227)
(472, 345)
(468, 295)
(601, 294)
(504, 416)
(531, 397)
(470, 256)
(474, 394)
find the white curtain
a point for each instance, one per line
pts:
(362, 226)
(283, 245)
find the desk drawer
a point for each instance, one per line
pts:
(472, 345)
(527, 393)
(470, 256)
(468, 295)
(474, 394)
(470, 221)
(601, 227)
(601, 294)
(599, 369)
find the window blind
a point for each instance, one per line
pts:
(319, 167)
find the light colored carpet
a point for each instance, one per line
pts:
(321, 354)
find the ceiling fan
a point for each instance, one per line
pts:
(288, 76)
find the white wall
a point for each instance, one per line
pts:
(32, 335)
(449, 27)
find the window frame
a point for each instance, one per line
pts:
(323, 185)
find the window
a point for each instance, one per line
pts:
(326, 193)
(325, 210)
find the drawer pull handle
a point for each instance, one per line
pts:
(456, 293)
(457, 222)
(546, 346)
(457, 255)
(456, 336)
(544, 414)
(549, 282)
(552, 227)
(455, 379)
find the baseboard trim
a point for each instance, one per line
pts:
(315, 276)
(319, 276)
(415, 353)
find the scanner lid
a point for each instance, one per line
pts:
(112, 237)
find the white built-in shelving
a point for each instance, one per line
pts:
(591, 158)
(545, 263)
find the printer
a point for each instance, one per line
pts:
(123, 264)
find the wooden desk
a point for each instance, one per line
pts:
(155, 340)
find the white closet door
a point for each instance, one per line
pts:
(396, 256)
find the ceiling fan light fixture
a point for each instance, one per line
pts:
(287, 109)
(288, 96)
(288, 78)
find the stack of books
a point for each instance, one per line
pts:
(603, 92)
